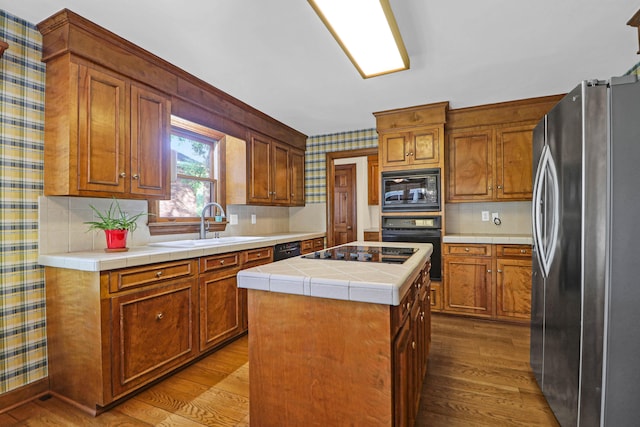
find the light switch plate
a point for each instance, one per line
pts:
(233, 219)
(253, 218)
(485, 215)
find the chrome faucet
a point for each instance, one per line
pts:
(203, 231)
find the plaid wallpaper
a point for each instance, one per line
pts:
(315, 159)
(23, 352)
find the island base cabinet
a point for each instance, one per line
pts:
(325, 360)
(153, 332)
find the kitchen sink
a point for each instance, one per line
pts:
(203, 243)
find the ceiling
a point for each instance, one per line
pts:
(278, 57)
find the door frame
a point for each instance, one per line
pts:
(331, 170)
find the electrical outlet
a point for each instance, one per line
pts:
(495, 215)
(485, 215)
(253, 218)
(233, 219)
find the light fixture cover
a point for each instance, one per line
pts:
(367, 32)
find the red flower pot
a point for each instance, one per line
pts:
(116, 239)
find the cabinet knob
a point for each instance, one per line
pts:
(258, 255)
(488, 271)
(221, 261)
(413, 345)
(499, 271)
(135, 176)
(499, 187)
(122, 174)
(158, 273)
(408, 305)
(523, 251)
(466, 249)
(422, 316)
(159, 316)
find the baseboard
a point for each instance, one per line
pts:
(22, 395)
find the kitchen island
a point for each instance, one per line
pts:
(335, 342)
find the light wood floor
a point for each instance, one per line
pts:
(478, 376)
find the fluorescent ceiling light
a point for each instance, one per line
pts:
(367, 32)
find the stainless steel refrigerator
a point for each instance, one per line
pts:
(585, 324)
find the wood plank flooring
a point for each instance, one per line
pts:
(478, 375)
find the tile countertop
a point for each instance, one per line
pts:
(100, 260)
(377, 282)
(504, 239)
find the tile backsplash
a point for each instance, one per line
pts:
(62, 228)
(466, 218)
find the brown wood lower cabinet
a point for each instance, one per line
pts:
(311, 245)
(112, 332)
(484, 280)
(307, 368)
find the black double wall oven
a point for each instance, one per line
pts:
(417, 192)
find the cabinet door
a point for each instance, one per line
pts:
(296, 160)
(153, 332)
(280, 192)
(403, 377)
(435, 296)
(514, 163)
(373, 172)
(470, 166)
(393, 150)
(259, 190)
(150, 143)
(513, 288)
(103, 132)
(467, 284)
(425, 147)
(220, 308)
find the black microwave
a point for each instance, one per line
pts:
(411, 191)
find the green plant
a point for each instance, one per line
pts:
(114, 219)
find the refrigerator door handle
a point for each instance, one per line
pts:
(546, 244)
(536, 206)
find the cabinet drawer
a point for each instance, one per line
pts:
(306, 246)
(218, 262)
(523, 251)
(318, 243)
(257, 256)
(128, 278)
(467, 249)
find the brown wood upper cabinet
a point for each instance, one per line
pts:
(491, 164)
(406, 149)
(106, 135)
(373, 173)
(275, 172)
(489, 150)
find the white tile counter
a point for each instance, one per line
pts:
(100, 260)
(372, 282)
(497, 239)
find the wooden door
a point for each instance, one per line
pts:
(425, 147)
(373, 175)
(220, 304)
(513, 288)
(393, 149)
(260, 153)
(102, 132)
(470, 171)
(344, 204)
(468, 285)
(296, 160)
(150, 143)
(153, 332)
(281, 188)
(514, 163)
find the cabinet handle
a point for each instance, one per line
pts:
(159, 316)
(221, 261)
(499, 187)
(523, 251)
(258, 255)
(158, 273)
(413, 345)
(135, 176)
(488, 271)
(408, 305)
(499, 271)
(422, 316)
(293, 195)
(122, 174)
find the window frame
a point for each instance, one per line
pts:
(163, 225)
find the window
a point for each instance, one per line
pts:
(195, 178)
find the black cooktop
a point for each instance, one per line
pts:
(382, 254)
